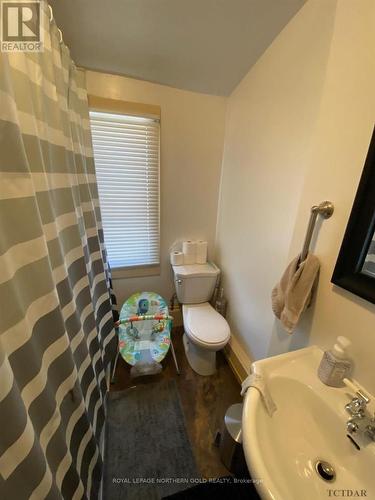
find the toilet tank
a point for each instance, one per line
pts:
(195, 283)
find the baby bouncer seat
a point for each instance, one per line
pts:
(144, 331)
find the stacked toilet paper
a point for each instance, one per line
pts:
(193, 252)
(201, 255)
(189, 249)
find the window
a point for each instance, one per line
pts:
(126, 154)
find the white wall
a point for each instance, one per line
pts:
(192, 134)
(270, 120)
(340, 144)
(336, 139)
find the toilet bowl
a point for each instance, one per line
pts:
(206, 332)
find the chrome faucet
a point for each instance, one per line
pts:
(360, 420)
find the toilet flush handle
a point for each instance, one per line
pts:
(179, 282)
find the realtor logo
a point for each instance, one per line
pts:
(21, 26)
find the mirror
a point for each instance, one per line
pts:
(369, 263)
(355, 266)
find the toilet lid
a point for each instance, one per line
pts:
(206, 324)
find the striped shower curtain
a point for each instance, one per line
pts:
(56, 326)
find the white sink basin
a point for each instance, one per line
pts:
(309, 425)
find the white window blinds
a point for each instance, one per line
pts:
(126, 154)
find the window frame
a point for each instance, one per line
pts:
(106, 105)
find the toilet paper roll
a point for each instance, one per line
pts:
(189, 249)
(201, 255)
(177, 258)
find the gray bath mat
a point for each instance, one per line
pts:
(148, 453)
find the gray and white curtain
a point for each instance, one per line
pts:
(56, 326)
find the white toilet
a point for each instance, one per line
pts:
(206, 331)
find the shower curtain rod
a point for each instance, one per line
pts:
(51, 18)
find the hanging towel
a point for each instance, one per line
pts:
(292, 295)
(257, 381)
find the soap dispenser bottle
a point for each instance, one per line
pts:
(335, 364)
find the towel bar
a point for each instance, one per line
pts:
(325, 209)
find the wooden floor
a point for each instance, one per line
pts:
(204, 401)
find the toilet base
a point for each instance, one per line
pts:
(201, 360)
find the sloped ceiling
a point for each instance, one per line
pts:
(201, 45)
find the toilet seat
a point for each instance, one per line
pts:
(205, 326)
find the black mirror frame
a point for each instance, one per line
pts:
(358, 235)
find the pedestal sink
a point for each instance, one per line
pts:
(285, 451)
